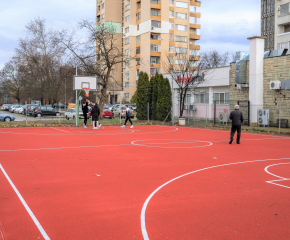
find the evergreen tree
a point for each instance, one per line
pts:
(154, 95)
(142, 96)
(150, 89)
(134, 98)
(164, 102)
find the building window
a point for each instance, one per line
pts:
(103, 5)
(170, 59)
(181, 4)
(171, 37)
(155, 60)
(154, 12)
(284, 45)
(181, 50)
(127, 7)
(194, 9)
(137, 27)
(171, 49)
(284, 9)
(193, 52)
(194, 20)
(138, 39)
(126, 95)
(181, 61)
(193, 63)
(138, 50)
(180, 39)
(171, 14)
(155, 36)
(126, 29)
(221, 98)
(127, 52)
(155, 1)
(188, 99)
(181, 27)
(127, 63)
(127, 40)
(127, 19)
(171, 26)
(196, 98)
(286, 28)
(181, 15)
(171, 2)
(126, 84)
(154, 70)
(155, 48)
(127, 74)
(138, 16)
(155, 23)
(103, 16)
(138, 61)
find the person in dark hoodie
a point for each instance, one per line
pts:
(237, 118)
(95, 117)
(85, 113)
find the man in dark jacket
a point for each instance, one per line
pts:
(85, 113)
(128, 117)
(237, 118)
(95, 117)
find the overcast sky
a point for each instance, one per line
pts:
(226, 24)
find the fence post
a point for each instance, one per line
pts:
(148, 111)
(194, 114)
(280, 117)
(26, 111)
(188, 112)
(249, 113)
(214, 112)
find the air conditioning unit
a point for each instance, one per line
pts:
(152, 64)
(239, 86)
(245, 85)
(223, 118)
(275, 85)
(263, 117)
(152, 28)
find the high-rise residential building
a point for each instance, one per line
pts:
(275, 23)
(153, 32)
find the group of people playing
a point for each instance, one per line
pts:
(94, 111)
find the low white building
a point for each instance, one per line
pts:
(216, 86)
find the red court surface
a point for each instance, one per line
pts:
(150, 182)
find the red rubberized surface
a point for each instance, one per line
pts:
(92, 184)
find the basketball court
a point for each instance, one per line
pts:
(150, 182)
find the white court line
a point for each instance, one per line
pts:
(186, 141)
(281, 178)
(59, 148)
(143, 224)
(26, 206)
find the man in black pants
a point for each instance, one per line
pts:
(85, 113)
(237, 118)
(128, 117)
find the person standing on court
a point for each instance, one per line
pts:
(237, 118)
(128, 117)
(95, 116)
(85, 113)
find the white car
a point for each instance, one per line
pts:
(18, 110)
(71, 113)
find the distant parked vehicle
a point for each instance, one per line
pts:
(107, 113)
(13, 107)
(18, 110)
(61, 105)
(30, 109)
(5, 107)
(117, 111)
(45, 111)
(6, 117)
(71, 113)
(109, 106)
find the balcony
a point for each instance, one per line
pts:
(193, 36)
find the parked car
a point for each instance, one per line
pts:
(107, 113)
(6, 117)
(13, 107)
(116, 112)
(61, 105)
(133, 105)
(109, 106)
(5, 107)
(45, 111)
(71, 113)
(18, 110)
(30, 109)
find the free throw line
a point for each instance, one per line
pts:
(46, 237)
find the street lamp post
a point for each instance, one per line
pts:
(114, 83)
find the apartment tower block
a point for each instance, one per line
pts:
(153, 31)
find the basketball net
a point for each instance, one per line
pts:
(87, 90)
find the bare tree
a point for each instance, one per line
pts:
(185, 71)
(97, 53)
(213, 59)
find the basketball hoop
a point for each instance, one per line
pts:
(87, 90)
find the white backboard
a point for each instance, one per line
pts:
(81, 82)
